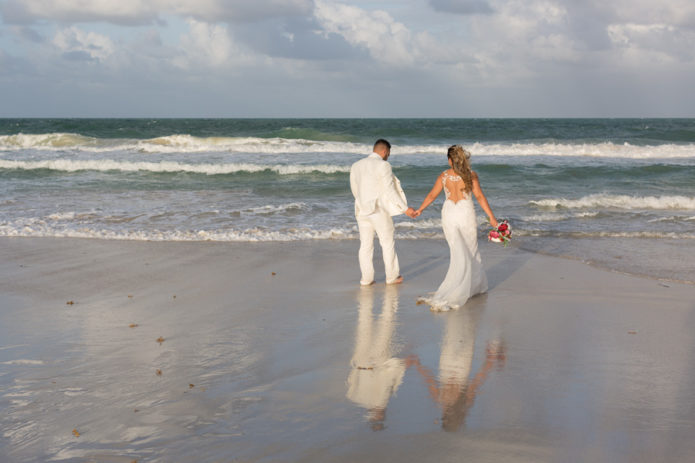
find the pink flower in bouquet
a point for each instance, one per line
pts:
(501, 234)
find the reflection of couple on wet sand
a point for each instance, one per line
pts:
(379, 196)
(377, 373)
(454, 391)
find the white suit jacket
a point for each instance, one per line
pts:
(375, 187)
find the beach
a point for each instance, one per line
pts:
(222, 351)
(185, 189)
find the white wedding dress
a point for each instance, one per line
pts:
(466, 276)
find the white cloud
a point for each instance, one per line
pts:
(77, 44)
(388, 41)
(653, 43)
(74, 11)
(206, 45)
(358, 52)
(134, 12)
(241, 10)
(462, 6)
(679, 13)
(526, 38)
(522, 34)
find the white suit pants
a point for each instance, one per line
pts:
(379, 222)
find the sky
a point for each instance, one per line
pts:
(365, 58)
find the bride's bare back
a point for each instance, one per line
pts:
(454, 189)
(454, 186)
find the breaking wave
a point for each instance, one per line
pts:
(182, 143)
(56, 227)
(553, 217)
(105, 165)
(605, 234)
(619, 202)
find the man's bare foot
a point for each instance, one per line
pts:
(367, 284)
(397, 281)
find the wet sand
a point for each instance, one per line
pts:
(271, 352)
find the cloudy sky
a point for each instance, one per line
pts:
(339, 58)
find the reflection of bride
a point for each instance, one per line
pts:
(454, 391)
(376, 374)
(466, 276)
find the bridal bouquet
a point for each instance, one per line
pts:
(501, 234)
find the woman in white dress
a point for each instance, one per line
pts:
(466, 276)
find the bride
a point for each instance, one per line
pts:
(465, 277)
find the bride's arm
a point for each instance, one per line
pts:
(432, 195)
(482, 200)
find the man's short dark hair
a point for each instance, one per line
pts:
(382, 143)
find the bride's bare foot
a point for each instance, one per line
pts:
(397, 281)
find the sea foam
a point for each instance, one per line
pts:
(41, 228)
(105, 165)
(36, 227)
(183, 143)
(605, 234)
(272, 208)
(619, 202)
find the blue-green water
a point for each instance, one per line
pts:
(618, 192)
(399, 131)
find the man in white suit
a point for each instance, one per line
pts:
(378, 196)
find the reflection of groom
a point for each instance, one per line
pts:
(376, 373)
(378, 196)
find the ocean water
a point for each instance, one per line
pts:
(618, 193)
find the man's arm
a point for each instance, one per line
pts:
(390, 191)
(353, 181)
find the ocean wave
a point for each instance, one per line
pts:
(47, 141)
(23, 362)
(105, 165)
(558, 217)
(248, 235)
(178, 143)
(619, 202)
(604, 234)
(191, 144)
(419, 224)
(62, 216)
(592, 150)
(183, 143)
(273, 209)
(429, 224)
(40, 228)
(92, 217)
(673, 219)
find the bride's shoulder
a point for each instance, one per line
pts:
(474, 175)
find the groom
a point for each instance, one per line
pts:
(378, 196)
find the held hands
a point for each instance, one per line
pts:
(412, 213)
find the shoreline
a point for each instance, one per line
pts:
(528, 246)
(606, 268)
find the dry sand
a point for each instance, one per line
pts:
(271, 352)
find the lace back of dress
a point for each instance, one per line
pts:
(455, 178)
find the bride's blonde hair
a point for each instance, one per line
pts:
(461, 165)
